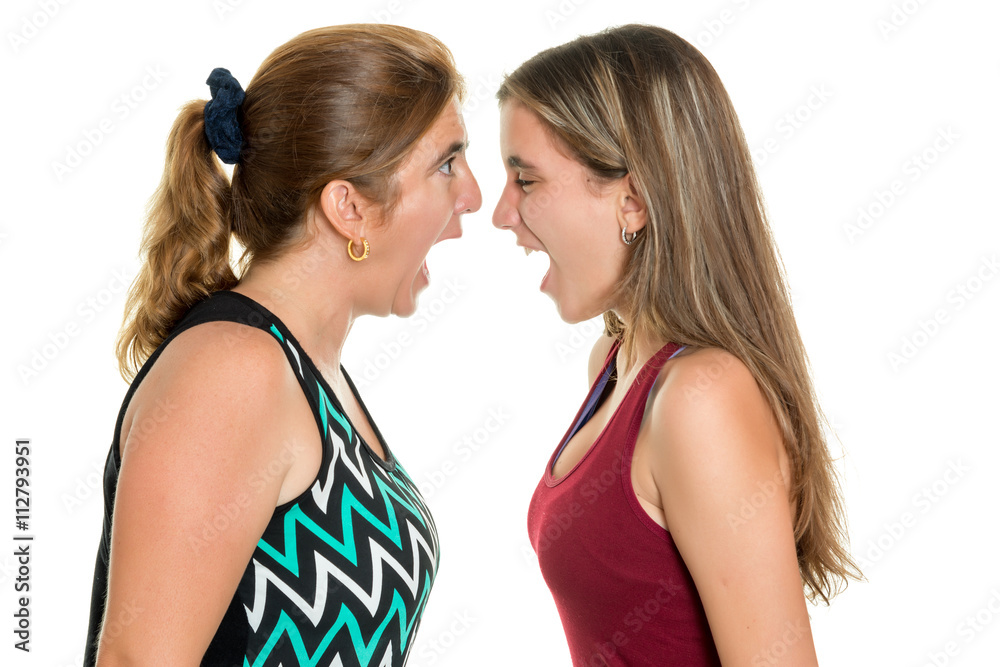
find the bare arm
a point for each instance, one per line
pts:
(718, 467)
(194, 494)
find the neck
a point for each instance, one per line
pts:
(644, 346)
(298, 287)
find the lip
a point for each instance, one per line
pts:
(545, 279)
(444, 236)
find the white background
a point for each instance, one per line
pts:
(487, 340)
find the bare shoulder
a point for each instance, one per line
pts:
(213, 374)
(223, 347)
(709, 388)
(598, 355)
(710, 409)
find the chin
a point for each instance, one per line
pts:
(406, 304)
(570, 314)
(574, 313)
(405, 310)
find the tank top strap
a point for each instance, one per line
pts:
(651, 369)
(655, 364)
(229, 306)
(210, 309)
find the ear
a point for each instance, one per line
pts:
(346, 209)
(631, 207)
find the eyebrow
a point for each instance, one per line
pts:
(456, 147)
(517, 163)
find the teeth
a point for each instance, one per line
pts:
(528, 251)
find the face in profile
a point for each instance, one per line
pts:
(435, 188)
(554, 204)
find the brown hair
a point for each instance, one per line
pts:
(704, 271)
(344, 102)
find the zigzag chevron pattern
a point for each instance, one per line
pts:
(324, 569)
(340, 576)
(363, 649)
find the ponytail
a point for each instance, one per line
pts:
(185, 244)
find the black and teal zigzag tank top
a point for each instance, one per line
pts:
(341, 575)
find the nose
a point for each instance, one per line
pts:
(472, 200)
(505, 215)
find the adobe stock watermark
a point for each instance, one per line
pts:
(8, 569)
(582, 337)
(970, 627)
(122, 106)
(85, 486)
(85, 313)
(922, 502)
(428, 312)
(791, 634)
(911, 171)
(462, 452)
(430, 650)
(223, 8)
(634, 621)
(227, 513)
(561, 11)
(114, 625)
(899, 15)
(750, 506)
(714, 27)
(390, 13)
(536, 207)
(32, 24)
(708, 375)
(481, 90)
(956, 299)
(294, 275)
(558, 524)
(789, 124)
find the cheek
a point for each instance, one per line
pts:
(585, 246)
(416, 230)
(433, 216)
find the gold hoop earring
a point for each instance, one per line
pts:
(350, 249)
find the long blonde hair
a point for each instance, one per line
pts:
(704, 271)
(343, 102)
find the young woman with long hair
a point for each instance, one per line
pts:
(253, 513)
(693, 496)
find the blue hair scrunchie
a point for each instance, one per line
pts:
(222, 125)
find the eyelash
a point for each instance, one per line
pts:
(522, 183)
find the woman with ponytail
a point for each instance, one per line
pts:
(693, 497)
(254, 515)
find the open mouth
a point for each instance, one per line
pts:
(528, 252)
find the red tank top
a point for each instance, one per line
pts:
(623, 593)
